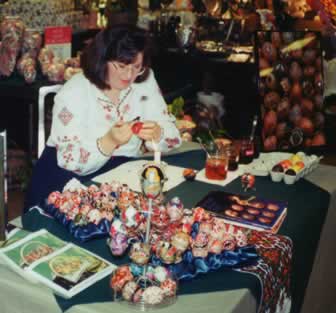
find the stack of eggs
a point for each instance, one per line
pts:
(150, 288)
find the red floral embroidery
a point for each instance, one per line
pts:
(126, 108)
(171, 142)
(107, 105)
(84, 156)
(108, 117)
(65, 116)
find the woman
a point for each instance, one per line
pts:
(95, 111)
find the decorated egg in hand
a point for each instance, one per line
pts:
(136, 127)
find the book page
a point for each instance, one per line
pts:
(70, 270)
(33, 247)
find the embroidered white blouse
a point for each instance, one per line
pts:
(82, 113)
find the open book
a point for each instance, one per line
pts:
(43, 258)
(245, 211)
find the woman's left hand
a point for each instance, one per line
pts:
(150, 130)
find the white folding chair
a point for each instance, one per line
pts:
(43, 92)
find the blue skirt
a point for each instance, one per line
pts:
(48, 176)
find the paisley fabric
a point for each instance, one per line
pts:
(273, 269)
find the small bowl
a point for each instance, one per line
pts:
(277, 176)
(290, 179)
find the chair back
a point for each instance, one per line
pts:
(3, 185)
(43, 92)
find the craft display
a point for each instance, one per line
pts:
(167, 241)
(291, 86)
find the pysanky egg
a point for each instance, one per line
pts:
(271, 81)
(169, 287)
(129, 290)
(94, 216)
(117, 227)
(269, 51)
(309, 56)
(271, 100)
(118, 244)
(295, 71)
(140, 253)
(120, 277)
(201, 240)
(295, 114)
(167, 253)
(153, 295)
(180, 241)
(296, 137)
(160, 218)
(309, 71)
(285, 85)
(131, 217)
(276, 39)
(283, 109)
(307, 107)
(175, 209)
(188, 216)
(216, 246)
(205, 227)
(307, 88)
(160, 274)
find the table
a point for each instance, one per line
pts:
(24, 297)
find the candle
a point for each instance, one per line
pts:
(157, 157)
(157, 153)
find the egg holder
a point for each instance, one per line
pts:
(311, 162)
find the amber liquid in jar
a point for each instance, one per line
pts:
(216, 168)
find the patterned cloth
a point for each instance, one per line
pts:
(273, 270)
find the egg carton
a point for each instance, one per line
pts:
(266, 161)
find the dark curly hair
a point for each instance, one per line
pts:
(119, 43)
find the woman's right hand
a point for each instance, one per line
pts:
(120, 133)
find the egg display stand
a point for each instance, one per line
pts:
(143, 280)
